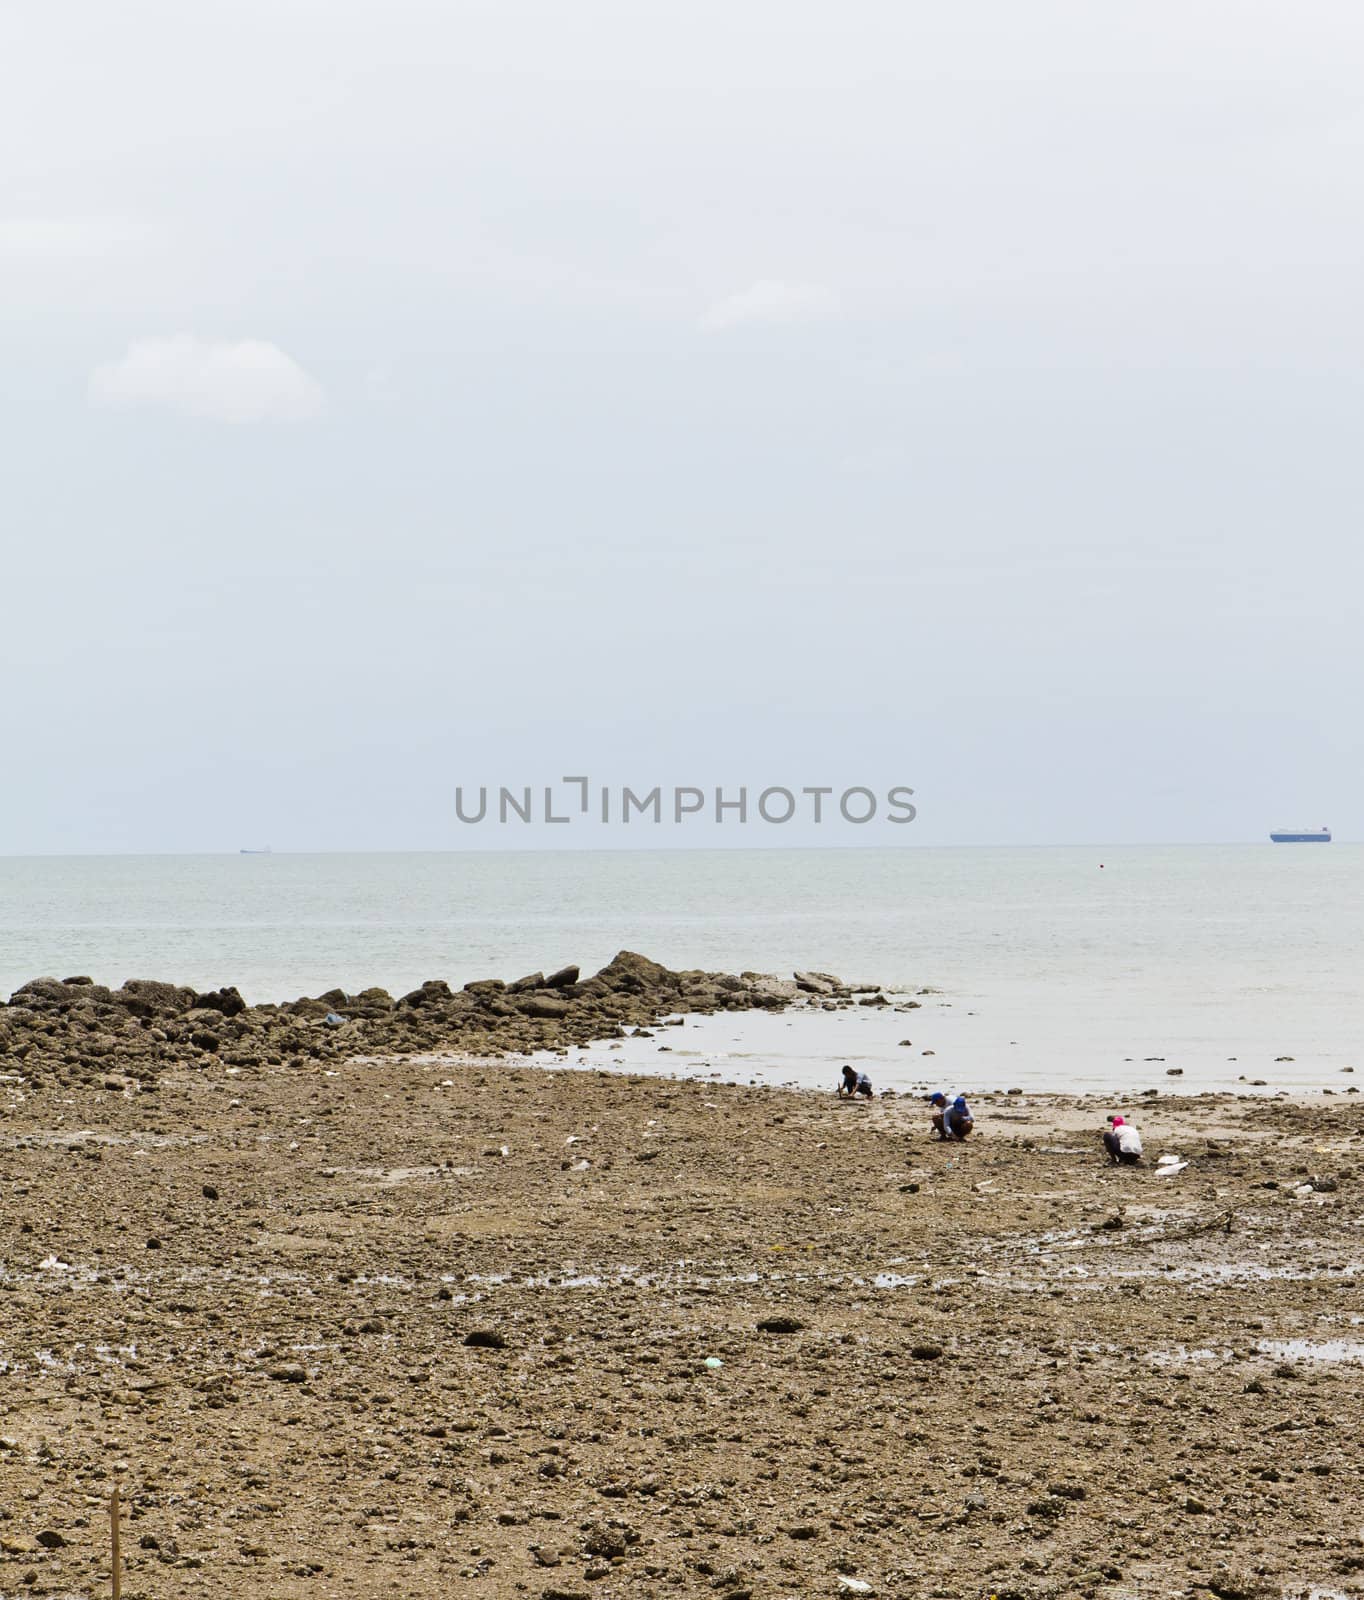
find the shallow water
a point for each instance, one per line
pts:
(968, 1051)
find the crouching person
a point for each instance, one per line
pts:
(951, 1121)
(854, 1083)
(1123, 1143)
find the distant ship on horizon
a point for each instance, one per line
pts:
(264, 850)
(1301, 836)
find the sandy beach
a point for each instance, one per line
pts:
(411, 1328)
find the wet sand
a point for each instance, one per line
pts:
(408, 1328)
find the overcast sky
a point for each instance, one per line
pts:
(410, 394)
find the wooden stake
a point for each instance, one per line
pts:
(118, 1553)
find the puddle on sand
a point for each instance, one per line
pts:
(1323, 1350)
(1347, 1350)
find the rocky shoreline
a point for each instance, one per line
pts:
(72, 1031)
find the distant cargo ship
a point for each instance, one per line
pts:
(1301, 836)
(264, 850)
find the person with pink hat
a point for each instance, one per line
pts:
(1123, 1143)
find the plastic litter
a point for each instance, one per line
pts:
(334, 1019)
(714, 1363)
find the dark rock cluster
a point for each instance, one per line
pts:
(74, 1031)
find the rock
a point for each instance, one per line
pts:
(564, 978)
(50, 1539)
(145, 997)
(485, 1339)
(534, 980)
(771, 993)
(42, 991)
(926, 1352)
(628, 973)
(1235, 1585)
(431, 993)
(227, 1001)
(209, 1192)
(292, 1373)
(780, 1325)
(817, 982)
(550, 1006)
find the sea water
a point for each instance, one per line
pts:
(1178, 968)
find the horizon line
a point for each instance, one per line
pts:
(228, 853)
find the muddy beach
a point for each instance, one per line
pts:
(407, 1327)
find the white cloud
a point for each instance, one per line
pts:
(248, 380)
(771, 300)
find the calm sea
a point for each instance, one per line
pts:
(1059, 968)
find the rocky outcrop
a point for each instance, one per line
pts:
(71, 1031)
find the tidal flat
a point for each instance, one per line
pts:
(387, 1327)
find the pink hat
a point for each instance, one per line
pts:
(1117, 1122)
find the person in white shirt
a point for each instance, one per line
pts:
(854, 1083)
(1123, 1143)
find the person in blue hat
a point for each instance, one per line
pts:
(951, 1120)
